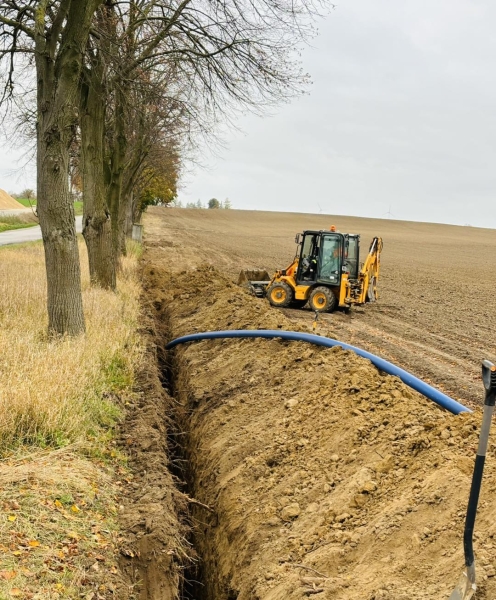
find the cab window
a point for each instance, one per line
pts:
(350, 262)
(330, 259)
(307, 268)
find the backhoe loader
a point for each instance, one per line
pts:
(325, 272)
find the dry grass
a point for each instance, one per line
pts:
(58, 528)
(56, 392)
(60, 470)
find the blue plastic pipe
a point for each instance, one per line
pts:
(407, 378)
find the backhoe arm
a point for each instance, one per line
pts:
(369, 274)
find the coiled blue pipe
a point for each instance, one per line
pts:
(407, 378)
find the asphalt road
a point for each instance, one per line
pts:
(29, 234)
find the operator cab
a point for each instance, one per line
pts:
(325, 256)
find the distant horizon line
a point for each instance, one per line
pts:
(353, 217)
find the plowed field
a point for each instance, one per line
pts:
(312, 473)
(437, 311)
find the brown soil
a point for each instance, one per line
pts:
(322, 476)
(437, 307)
(153, 550)
(8, 203)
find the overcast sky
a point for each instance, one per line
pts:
(401, 118)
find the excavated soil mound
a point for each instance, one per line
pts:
(8, 203)
(321, 475)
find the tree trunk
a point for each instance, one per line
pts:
(117, 161)
(114, 197)
(57, 221)
(122, 223)
(56, 116)
(127, 209)
(97, 228)
(59, 58)
(129, 215)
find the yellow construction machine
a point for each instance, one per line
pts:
(325, 272)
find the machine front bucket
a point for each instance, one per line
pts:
(255, 281)
(245, 277)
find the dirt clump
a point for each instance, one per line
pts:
(325, 477)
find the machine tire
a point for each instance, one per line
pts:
(322, 299)
(280, 295)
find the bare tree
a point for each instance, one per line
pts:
(154, 147)
(211, 59)
(94, 95)
(122, 118)
(27, 194)
(52, 35)
(195, 62)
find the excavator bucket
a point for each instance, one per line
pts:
(255, 281)
(247, 276)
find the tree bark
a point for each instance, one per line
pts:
(97, 227)
(57, 221)
(58, 68)
(129, 215)
(117, 162)
(122, 223)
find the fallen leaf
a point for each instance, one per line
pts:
(58, 504)
(75, 509)
(12, 518)
(27, 572)
(15, 592)
(17, 553)
(34, 543)
(7, 575)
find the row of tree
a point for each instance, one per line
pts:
(26, 194)
(116, 92)
(212, 203)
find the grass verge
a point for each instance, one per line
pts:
(78, 206)
(8, 222)
(60, 468)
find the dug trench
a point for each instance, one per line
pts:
(309, 472)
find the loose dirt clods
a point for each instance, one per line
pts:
(324, 477)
